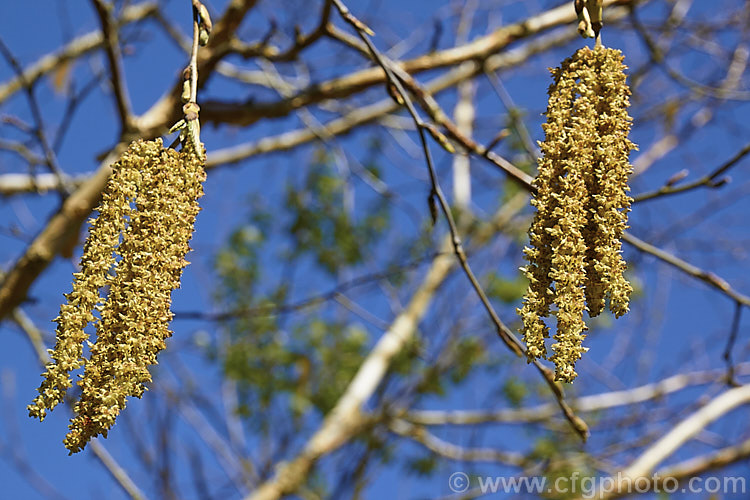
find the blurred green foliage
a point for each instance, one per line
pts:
(291, 364)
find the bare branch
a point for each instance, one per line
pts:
(369, 113)
(663, 448)
(452, 451)
(583, 404)
(710, 180)
(119, 474)
(479, 50)
(690, 468)
(39, 128)
(114, 56)
(707, 277)
(12, 184)
(686, 429)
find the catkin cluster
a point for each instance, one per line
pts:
(581, 205)
(132, 260)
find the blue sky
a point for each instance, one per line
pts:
(677, 318)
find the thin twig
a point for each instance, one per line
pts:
(724, 92)
(271, 310)
(369, 113)
(480, 52)
(193, 65)
(733, 332)
(709, 180)
(452, 451)
(110, 29)
(437, 192)
(119, 474)
(505, 334)
(707, 277)
(583, 404)
(347, 418)
(433, 108)
(189, 126)
(71, 107)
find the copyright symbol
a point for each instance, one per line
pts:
(458, 482)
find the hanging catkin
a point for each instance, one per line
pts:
(136, 250)
(575, 260)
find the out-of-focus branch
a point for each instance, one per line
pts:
(727, 89)
(440, 117)
(583, 404)
(273, 309)
(33, 334)
(12, 184)
(686, 429)
(50, 158)
(238, 470)
(372, 112)
(346, 418)
(733, 333)
(22, 150)
(711, 461)
(77, 47)
(669, 477)
(301, 41)
(663, 448)
(110, 29)
(452, 451)
(119, 474)
(464, 114)
(436, 196)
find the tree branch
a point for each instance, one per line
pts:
(452, 451)
(110, 29)
(693, 467)
(583, 404)
(686, 429)
(479, 50)
(710, 180)
(707, 277)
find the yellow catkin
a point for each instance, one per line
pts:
(134, 319)
(96, 262)
(574, 256)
